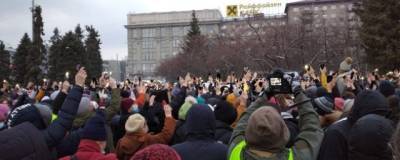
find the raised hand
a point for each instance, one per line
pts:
(168, 110)
(65, 87)
(80, 77)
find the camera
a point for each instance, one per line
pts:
(280, 82)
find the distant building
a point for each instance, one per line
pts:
(153, 37)
(116, 68)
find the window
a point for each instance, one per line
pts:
(149, 32)
(316, 8)
(333, 15)
(333, 7)
(148, 43)
(342, 6)
(177, 31)
(306, 8)
(324, 8)
(165, 32)
(295, 9)
(324, 16)
(350, 7)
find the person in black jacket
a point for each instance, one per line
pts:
(225, 115)
(24, 140)
(200, 143)
(335, 143)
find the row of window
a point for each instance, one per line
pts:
(328, 16)
(148, 67)
(169, 31)
(324, 7)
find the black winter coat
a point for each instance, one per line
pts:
(223, 132)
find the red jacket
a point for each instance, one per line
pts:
(90, 150)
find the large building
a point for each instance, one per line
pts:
(153, 37)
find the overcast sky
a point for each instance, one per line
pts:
(107, 16)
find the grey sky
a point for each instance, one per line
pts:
(107, 16)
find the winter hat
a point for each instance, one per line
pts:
(323, 105)
(54, 95)
(311, 92)
(189, 101)
(339, 103)
(38, 115)
(126, 104)
(125, 94)
(84, 105)
(368, 102)
(369, 138)
(200, 120)
(95, 128)
(225, 112)
(4, 109)
(386, 88)
(156, 152)
(200, 100)
(266, 130)
(134, 123)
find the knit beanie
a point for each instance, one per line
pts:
(266, 130)
(189, 101)
(156, 152)
(134, 123)
(95, 128)
(323, 105)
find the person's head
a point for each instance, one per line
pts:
(189, 101)
(4, 109)
(225, 112)
(386, 88)
(368, 102)
(136, 123)
(200, 121)
(38, 114)
(369, 138)
(95, 130)
(156, 152)
(266, 122)
(394, 104)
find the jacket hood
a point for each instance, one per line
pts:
(368, 102)
(386, 88)
(378, 130)
(200, 121)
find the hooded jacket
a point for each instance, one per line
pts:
(378, 130)
(200, 143)
(306, 144)
(366, 102)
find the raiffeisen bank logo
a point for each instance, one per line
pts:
(250, 9)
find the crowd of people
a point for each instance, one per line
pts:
(325, 114)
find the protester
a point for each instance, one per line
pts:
(248, 140)
(93, 140)
(42, 140)
(137, 136)
(200, 143)
(369, 138)
(225, 115)
(335, 143)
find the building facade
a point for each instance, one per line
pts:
(153, 37)
(115, 68)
